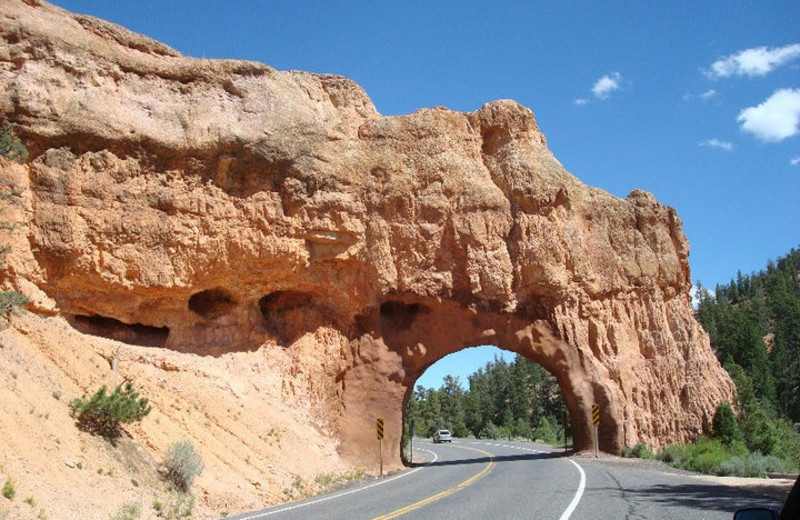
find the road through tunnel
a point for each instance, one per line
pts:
(405, 336)
(487, 393)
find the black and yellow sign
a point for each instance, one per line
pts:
(595, 414)
(379, 425)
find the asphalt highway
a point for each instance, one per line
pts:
(469, 479)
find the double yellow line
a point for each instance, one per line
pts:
(447, 492)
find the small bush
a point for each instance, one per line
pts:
(298, 489)
(129, 511)
(11, 147)
(8, 489)
(10, 300)
(753, 465)
(640, 451)
(103, 413)
(713, 457)
(182, 464)
(490, 431)
(724, 425)
(787, 444)
(178, 506)
(545, 432)
(759, 430)
(332, 481)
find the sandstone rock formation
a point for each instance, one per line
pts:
(216, 206)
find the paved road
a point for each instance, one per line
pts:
(509, 480)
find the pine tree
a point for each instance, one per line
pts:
(725, 427)
(754, 322)
(104, 413)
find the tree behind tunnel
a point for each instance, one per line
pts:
(517, 399)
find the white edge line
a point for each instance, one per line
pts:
(581, 486)
(337, 495)
(578, 494)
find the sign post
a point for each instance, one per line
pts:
(379, 428)
(411, 441)
(596, 422)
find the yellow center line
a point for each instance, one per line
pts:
(447, 492)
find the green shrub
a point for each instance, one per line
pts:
(758, 429)
(724, 425)
(545, 432)
(685, 456)
(11, 147)
(708, 461)
(103, 413)
(522, 428)
(751, 465)
(178, 506)
(787, 444)
(640, 451)
(490, 431)
(8, 489)
(9, 301)
(129, 511)
(707, 455)
(331, 481)
(182, 465)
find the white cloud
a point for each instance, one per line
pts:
(580, 102)
(775, 119)
(606, 85)
(698, 293)
(795, 161)
(705, 96)
(757, 61)
(716, 143)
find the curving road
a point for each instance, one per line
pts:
(469, 479)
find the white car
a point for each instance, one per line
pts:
(442, 436)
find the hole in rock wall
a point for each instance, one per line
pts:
(401, 315)
(289, 314)
(234, 172)
(212, 303)
(110, 328)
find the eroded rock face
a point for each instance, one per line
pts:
(209, 206)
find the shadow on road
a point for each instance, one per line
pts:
(496, 458)
(700, 495)
(705, 497)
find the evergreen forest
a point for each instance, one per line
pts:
(502, 400)
(754, 326)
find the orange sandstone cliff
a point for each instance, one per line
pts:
(275, 264)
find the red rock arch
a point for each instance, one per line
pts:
(239, 205)
(408, 335)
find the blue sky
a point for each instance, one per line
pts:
(696, 102)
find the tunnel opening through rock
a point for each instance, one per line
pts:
(130, 333)
(212, 303)
(486, 392)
